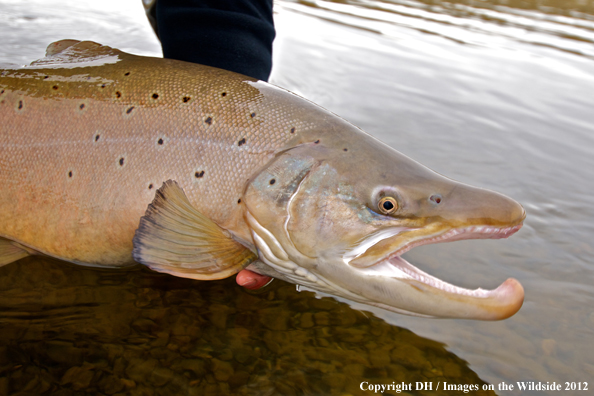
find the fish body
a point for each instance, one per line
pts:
(86, 147)
(108, 159)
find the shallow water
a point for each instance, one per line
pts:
(492, 93)
(70, 329)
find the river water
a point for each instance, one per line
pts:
(494, 93)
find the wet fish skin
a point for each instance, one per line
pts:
(108, 158)
(85, 148)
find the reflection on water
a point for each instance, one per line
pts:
(68, 328)
(490, 92)
(563, 25)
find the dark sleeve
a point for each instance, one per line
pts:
(234, 35)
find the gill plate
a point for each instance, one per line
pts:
(272, 253)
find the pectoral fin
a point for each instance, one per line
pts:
(175, 238)
(9, 252)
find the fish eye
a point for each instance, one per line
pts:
(387, 205)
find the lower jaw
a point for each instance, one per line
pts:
(441, 299)
(409, 271)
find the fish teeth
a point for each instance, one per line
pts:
(429, 280)
(457, 231)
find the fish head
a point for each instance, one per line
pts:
(336, 213)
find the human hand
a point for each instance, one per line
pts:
(250, 280)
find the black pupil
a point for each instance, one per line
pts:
(388, 206)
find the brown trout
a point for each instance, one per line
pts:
(107, 159)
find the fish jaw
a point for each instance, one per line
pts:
(434, 297)
(431, 297)
(458, 234)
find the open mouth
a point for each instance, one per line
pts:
(396, 267)
(505, 299)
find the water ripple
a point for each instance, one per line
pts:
(473, 25)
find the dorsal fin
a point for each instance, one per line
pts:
(175, 238)
(58, 46)
(9, 252)
(75, 53)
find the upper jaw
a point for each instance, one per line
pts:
(458, 234)
(393, 246)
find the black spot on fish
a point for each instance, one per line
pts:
(208, 120)
(151, 186)
(20, 104)
(122, 161)
(1, 92)
(130, 110)
(239, 201)
(45, 77)
(292, 130)
(242, 141)
(97, 137)
(253, 115)
(127, 74)
(317, 141)
(103, 85)
(70, 174)
(345, 149)
(118, 94)
(272, 181)
(55, 87)
(224, 94)
(186, 99)
(160, 141)
(198, 175)
(82, 106)
(155, 96)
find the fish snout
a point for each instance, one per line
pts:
(469, 206)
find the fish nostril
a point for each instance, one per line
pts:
(435, 198)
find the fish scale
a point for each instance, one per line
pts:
(102, 124)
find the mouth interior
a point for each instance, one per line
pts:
(396, 267)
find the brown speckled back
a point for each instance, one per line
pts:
(88, 134)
